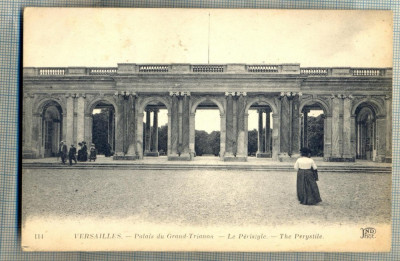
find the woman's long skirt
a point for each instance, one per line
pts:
(307, 188)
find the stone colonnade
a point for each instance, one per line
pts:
(340, 128)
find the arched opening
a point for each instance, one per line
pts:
(52, 128)
(312, 133)
(155, 129)
(103, 128)
(207, 130)
(366, 132)
(260, 126)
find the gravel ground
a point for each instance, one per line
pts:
(202, 197)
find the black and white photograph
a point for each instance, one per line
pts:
(206, 130)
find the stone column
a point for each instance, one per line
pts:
(180, 148)
(347, 150)
(88, 128)
(295, 130)
(229, 126)
(305, 126)
(192, 134)
(358, 140)
(131, 128)
(241, 152)
(335, 129)
(119, 128)
(185, 125)
(353, 137)
(235, 126)
(69, 131)
(147, 133)
(80, 126)
(154, 134)
(275, 136)
(260, 134)
(267, 134)
(380, 138)
(285, 126)
(328, 137)
(246, 123)
(222, 145)
(174, 133)
(28, 152)
(126, 123)
(388, 153)
(169, 143)
(111, 128)
(139, 134)
(37, 134)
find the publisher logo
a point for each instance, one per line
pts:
(368, 232)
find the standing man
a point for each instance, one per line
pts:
(64, 151)
(71, 154)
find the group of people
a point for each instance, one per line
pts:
(72, 154)
(307, 173)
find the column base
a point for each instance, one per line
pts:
(185, 157)
(336, 159)
(388, 159)
(152, 154)
(263, 155)
(284, 157)
(30, 154)
(380, 158)
(125, 157)
(235, 159)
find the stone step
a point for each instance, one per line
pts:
(358, 169)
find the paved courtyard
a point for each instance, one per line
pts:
(205, 197)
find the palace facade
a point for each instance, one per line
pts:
(58, 104)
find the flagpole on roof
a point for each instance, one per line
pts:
(208, 37)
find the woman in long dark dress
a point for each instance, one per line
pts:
(307, 176)
(84, 151)
(80, 154)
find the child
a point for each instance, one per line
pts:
(93, 153)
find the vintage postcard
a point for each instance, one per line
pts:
(206, 130)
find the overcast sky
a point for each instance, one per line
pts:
(106, 37)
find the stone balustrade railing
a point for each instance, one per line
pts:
(131, 68)
(367, 72)
(262, 68)
(102, 71)
(314, 71)
(51, 71)
(153, 68)
(208, 68)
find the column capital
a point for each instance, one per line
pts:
(173, 93)
(241, 93)
(28, 95)
(125, 94)
(230, 93)
(290, 94)
(388, 97)
(80, 95)
(185, 93)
